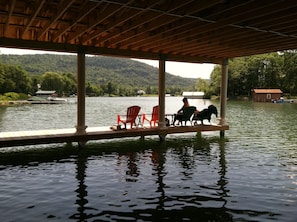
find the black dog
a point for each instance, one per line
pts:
(205, 114)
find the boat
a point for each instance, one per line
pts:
(282, 100)
(193, 95)
(46, 97)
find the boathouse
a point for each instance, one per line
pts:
(179, 31)
(193, 95)
(266, 95)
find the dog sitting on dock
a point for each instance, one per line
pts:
(205, 114)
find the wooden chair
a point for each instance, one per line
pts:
(132, 114)
(154, 117)
(186, 115)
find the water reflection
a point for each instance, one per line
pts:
(180, 179)
(222, 182)
(130, 159)
(2, 113)
(198, 156)
(158, 159)
(81, 167)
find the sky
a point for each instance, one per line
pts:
(182, 69)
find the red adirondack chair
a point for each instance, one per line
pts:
(154, 116)
(132, 113)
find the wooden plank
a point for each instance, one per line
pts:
(20, 138)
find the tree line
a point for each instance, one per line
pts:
(15, 81)
(271, 70)
(104, 76)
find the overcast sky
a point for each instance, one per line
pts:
(188, 70)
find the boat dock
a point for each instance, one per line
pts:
(21, 138)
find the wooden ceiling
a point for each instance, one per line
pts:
(175, 30)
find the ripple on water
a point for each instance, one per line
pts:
(249, 176)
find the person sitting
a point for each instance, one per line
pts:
(181, 110)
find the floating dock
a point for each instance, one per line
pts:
(21, 138)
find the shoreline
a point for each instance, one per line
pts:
(14, 102)
(26, 102)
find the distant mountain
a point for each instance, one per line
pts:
(99, 69)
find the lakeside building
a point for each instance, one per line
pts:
(266, 95)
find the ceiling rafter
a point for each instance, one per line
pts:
(84, 11)
(11, 7)
(200, 6)
(228, 33)
(105, 12)
(187, 30)
(203, 26)
(138, 33)
(257, 50)
(283, 27)
(62, 7)
(277, 17)
(177, 39)
(190, 10)
(154, 35)
(37, 7)
(211, 47)
(134, 26)
(117, 21)
(244, 45)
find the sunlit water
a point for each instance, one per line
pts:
(251, 175)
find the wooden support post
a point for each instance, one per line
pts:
(162, 93)
(223, 94)
(162, 123)
(81, 97)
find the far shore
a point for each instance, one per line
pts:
(26, 102)
(15, 102)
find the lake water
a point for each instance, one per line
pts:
(251, 175)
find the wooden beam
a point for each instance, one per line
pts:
(11, 8)
(72, 48)
(223, 94)
(21, 138)
(161, 93)
(133, 16)
(81, 93)
(63, 6)
(36, 10)
(84, 11)
(154, 20)
(104, 14)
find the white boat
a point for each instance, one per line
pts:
(46, 97)
(193, 95)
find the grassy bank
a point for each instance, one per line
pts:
(12, 98)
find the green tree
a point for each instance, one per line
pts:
(6, 83)
(247, 73)
(288, 75)
(93, 90)
(36, 80)
(203, 85)
(52, 81)
(21, 79)
(110, 88)
(215, 79)
(70, 83)
(14, 79)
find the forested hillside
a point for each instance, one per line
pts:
(99, 69)
(267, 71)
(126, 77)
